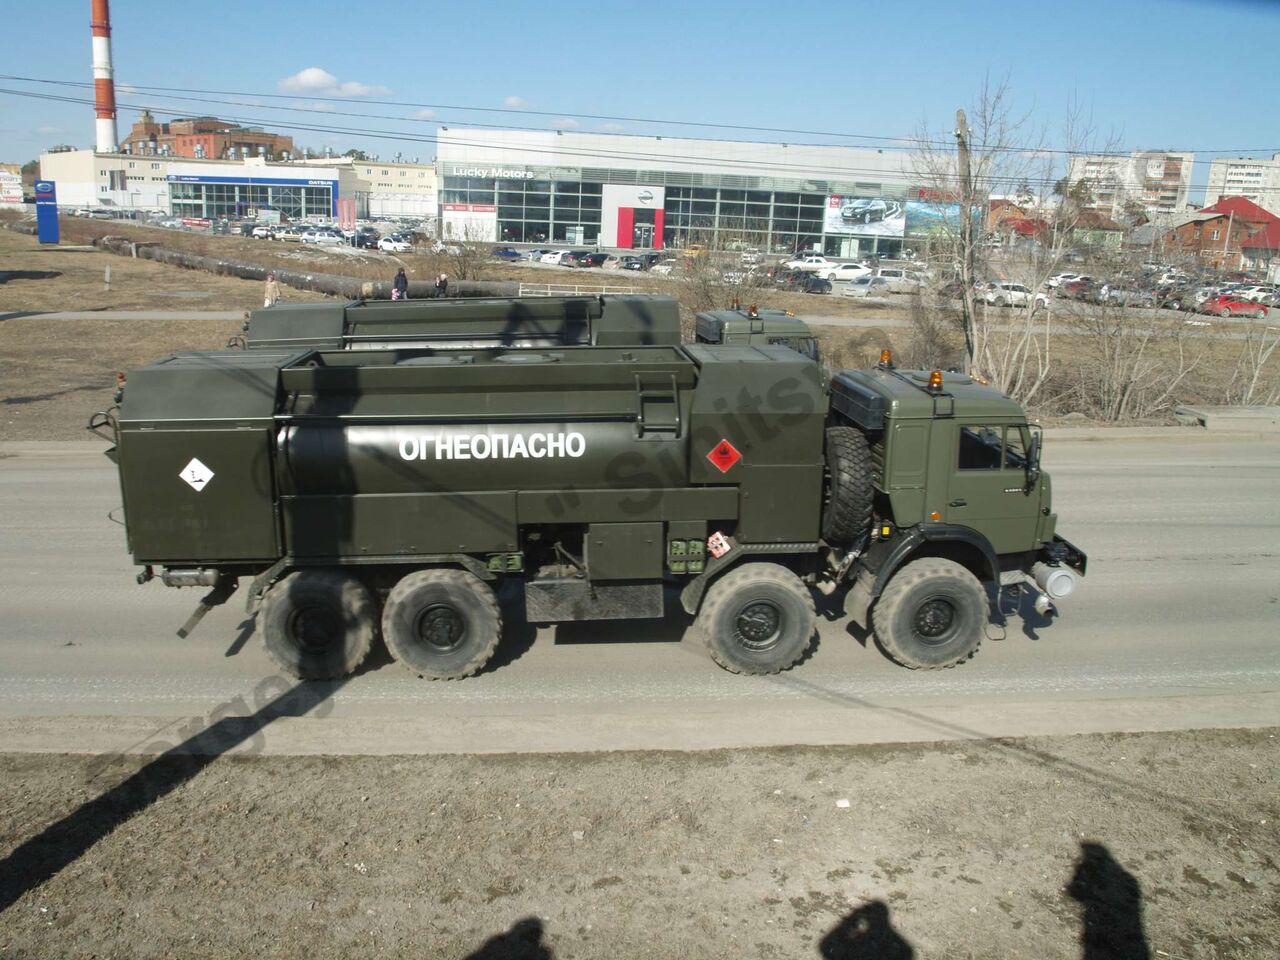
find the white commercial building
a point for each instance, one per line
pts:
(1256, 180)
(1146, 181)
(653, 192)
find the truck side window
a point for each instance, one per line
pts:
(1015, 448)
(980, 448)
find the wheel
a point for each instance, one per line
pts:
(442, 624)
(757, 619)
(866, 217)
(831, 276)
(932, 614)
(1000, 302)
(1260, 314)
(850, 492)
(318, 624)
(1224, 312)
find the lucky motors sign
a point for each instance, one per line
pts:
(491, 173)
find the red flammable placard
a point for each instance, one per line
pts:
(724, 455)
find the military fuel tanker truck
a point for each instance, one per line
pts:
(388, 491)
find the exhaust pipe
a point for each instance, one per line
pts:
(1056, 582)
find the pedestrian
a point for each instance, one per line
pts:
(442, 286)
(272, 296)
(400, 286)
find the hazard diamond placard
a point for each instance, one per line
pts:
(724, 455)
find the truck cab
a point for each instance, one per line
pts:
(752, 327)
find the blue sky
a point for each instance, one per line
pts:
(1154, 74)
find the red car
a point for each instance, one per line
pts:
(1229, 305)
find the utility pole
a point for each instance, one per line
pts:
(1227, 239)
(967, 299)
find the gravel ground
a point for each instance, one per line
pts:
(1157, 845)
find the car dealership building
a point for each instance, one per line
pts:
(638, 192)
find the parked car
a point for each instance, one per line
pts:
(367, 238)
(1002, 293)
(505, 253)
(1126, 296)
(1230, 305)
(868, 286)
(1058, 279)
(864, 210)
(664, 267)
(554, 256)
(440, 246)
(900, 281)
(611, 262)
(631, 263)
(1082, 288)
(592, 259)
(845, 271)
(263, 231)
(396, 243)
(811, 263)
(289, 234)
(812, 284)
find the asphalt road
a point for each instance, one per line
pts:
(1176, 627)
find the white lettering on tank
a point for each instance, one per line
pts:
(496, 446)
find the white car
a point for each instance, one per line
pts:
(812, 263)
(555, 256)
(900, 281)
(664, 266)
(1005, 294)
(263, 232)
(442, 247)
(866, 286)
(394, 244)
(1060, 278)
(845, 271)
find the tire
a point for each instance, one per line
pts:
(757, 619)
(932, 614)
(831, 276)
(1000, 302)
(1260, 314)
(850, 492)
(1224, 313)
(318, 624)
(866, 217)
(442, 624)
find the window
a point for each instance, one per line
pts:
(980, 448)
(1015, 448)
(1215, 235)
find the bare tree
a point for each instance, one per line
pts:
(998, 152)
(1248, 386)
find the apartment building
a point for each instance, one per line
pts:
(1147, 182)
(1255, 179)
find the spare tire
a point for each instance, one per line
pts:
(850, 491)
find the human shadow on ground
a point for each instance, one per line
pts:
(1111, 899)
(63, 842)
(522, 942)
(866, 934)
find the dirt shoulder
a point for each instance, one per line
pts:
(978, 849)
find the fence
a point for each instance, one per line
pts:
(568, 289)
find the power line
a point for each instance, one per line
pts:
(908, 142)
(759, 167)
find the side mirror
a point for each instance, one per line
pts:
(1033, 460)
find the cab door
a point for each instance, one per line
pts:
(987, 488)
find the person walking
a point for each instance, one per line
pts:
(272, 295)
(442, 286)
(400, 286)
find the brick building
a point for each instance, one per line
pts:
(203, 138)
(1216, 236)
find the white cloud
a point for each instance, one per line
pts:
(515, 103)
(320, 105)
(565, 123)
(611, 127)
(424, 114)
(318, 82)
(46, 131)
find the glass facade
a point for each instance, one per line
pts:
(214, 200)
(533, 211)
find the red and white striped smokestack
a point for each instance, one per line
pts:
(104, 86)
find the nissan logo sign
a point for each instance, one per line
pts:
(645, 196)
(43, 186)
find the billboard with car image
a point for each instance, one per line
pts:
(864, 216)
